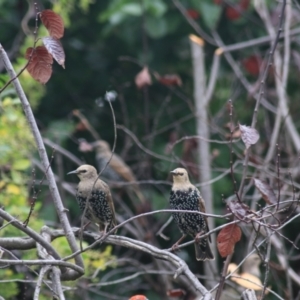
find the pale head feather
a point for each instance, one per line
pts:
(180, 178)
(85, 172)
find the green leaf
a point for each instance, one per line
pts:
(133, 9)
(21, 164)
(155, 8)
(58, 131)
(156, 27)
(210, 13)
(119, 9)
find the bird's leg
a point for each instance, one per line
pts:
(86, 225)
(105, 228)
(197, 237)
(81, 230)
(175, 246)
(102, 232)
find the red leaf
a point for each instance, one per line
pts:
(266, 191)
(193, 13)
(40, 65)
(138, 297)
(249, 135)
(232, 13)
(244, 4)
(227, 238)
(252, 64)
(53, 22)
(175, 293)
(170, 80)
(55, 48)
(143, 78)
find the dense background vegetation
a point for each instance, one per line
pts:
(107, 43)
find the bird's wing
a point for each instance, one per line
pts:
(202, 209)
(119, 166)
(109, 200)
(112, 207)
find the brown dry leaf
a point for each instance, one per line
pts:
(175, 293)
(248, 281)
(143, 78)
(215, 153)
(266, 191)
(55, 48)
(170, 80)
(227, 238)
(53, 22)
(249, 135)
(40, 64)
(239, 209)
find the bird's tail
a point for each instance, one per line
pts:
(203, 251)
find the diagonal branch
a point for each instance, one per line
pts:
(44, 158)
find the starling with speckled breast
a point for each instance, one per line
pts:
(95, 193)
(185, 196)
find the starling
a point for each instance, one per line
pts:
(100, 208)
(185, 196)
(117, 170)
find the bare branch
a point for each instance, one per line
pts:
(44, 158)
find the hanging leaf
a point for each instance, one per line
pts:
(53, 22)
(210, 12)
(84, 146)
(227, 238)
(55, 48)
(170, 80)
(266, 191)
(239, 209)
(249, 135)
(138, 297)
(21, 164)
(252, 64)
(143, 78)
(175, 293)
(40, 64)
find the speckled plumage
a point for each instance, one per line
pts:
(100, 207)
(185, 196)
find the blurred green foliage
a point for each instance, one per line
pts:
(106, 44)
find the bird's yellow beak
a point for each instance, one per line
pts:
(72, 172)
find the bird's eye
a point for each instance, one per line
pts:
(83, 171)
(180, 174)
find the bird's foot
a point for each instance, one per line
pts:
(175, 248)
(100, 235)
(198, 235)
